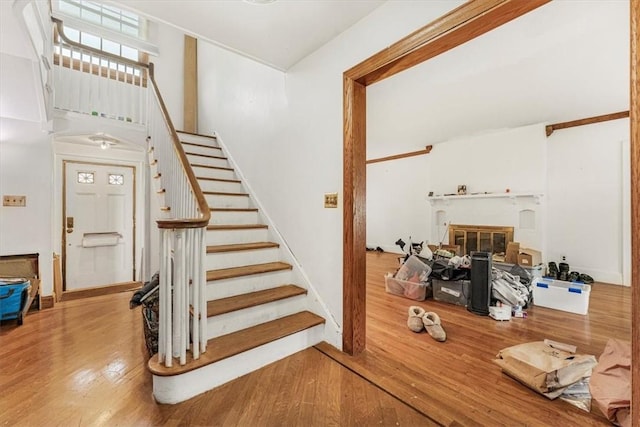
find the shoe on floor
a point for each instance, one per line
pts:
(415, 318)
(585, 278)
(574, 276)
(433, 326)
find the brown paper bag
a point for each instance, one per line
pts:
(610, 383)
(544, 369)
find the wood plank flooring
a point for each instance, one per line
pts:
(456, 382)
(83, 363)
(75, 365)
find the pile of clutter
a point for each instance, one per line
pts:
(562, 271)
(556, 370)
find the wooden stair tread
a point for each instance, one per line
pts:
(229, 345)
(219, 227)
(198, 165)
(222, 193)
(204, 178)
(208, 156)
(239, 302)
(196, 134)
(241, 247)
(200, 145)
(233, 209)
(247, 270)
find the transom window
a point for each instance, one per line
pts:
(104, 15)
(105, 28)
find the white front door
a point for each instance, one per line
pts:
(98, 229)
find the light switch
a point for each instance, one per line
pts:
(331, 200)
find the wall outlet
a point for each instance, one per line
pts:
(564, 258)
(14, 201)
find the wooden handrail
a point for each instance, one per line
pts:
(205, 213)
(587, 121)
(177, 223)
(60, 27)
(426, 150)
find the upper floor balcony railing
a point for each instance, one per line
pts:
(97, 83)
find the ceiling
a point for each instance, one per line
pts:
(566, 60)
(278, 34)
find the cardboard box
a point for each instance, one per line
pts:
(513, 249)
(529, 257)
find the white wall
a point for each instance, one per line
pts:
(285, 132)
(26, 170)
(587, 222)
(396, 204)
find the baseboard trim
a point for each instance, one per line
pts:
(99, 291)
(46, 302)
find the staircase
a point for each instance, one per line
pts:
(257, 312)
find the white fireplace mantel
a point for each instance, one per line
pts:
(514, 197)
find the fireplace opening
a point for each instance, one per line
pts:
(482, 238)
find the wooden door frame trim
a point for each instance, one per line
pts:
(462, 24)
(468, 21)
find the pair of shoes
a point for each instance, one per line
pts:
(419, 319)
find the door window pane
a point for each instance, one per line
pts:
(85, 177)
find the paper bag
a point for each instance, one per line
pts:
(544, 369)
(611, 382)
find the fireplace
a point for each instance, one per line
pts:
(483, 238)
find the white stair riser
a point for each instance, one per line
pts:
(224, 186)
(227, 237)
(225, 201)
(246, 284)
(196, 139)
(252, 316)
(239, 258)
(209, 151)
(213, 173)
(208, 161)
(178, 388)
(234, 217)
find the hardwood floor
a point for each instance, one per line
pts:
(456, 382)
(84, 363)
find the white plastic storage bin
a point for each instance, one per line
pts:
(412, 290)
(566, 296)
(413, 270)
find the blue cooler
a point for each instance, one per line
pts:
(13, 297)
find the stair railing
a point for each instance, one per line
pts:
(182, 240)
(182, 237)
(97, 83)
